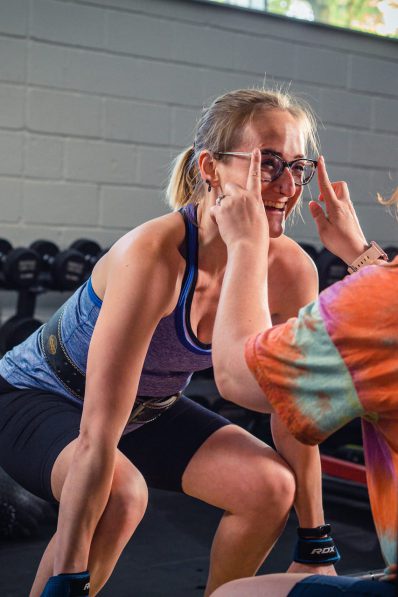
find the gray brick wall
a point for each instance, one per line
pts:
(97, 96)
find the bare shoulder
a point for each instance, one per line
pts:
(286, 253)
(162, 234)
(293, 278)
(154, 244)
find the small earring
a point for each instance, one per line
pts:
(207, 181)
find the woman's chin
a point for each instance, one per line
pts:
(276, 225)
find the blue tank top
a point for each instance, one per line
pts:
(173, 354)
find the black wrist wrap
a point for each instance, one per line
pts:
(316, 551)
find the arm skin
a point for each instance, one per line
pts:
(239, 316)
(139, 288)
(243, 314)
(304, 460)
(338, 226)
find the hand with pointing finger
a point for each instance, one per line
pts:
(239, 212)
(338, 226)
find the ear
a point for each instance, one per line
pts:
(207, 166)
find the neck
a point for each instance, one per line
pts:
(212, 249)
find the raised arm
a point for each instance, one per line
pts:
(139, 287)
(338, 225)
(243, 312)
(243, 226)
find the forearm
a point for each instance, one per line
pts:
(242, 311)
(84, 497)
(306, 465)
(244, 298)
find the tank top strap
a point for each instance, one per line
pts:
(191, 250)
(182, 312)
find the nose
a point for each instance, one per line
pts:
(286, 183)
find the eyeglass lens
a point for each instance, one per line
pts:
(272, 166)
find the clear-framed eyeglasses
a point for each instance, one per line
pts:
(272, 166)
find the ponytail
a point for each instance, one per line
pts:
(183, 184)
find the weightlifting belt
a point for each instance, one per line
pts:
(145, 408)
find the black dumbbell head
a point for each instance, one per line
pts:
(21, 268)
(15, 330)
(46, 249)
(69, 269)
(86, 246)
(5, 246)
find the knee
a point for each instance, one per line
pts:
(128, 501)
(273, 489)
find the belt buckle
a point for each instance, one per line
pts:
(154, 404)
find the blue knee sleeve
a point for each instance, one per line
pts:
(67, 585)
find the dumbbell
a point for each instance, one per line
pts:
(19, 268)
(15, 330)
(90, 250)
(60, 270)
(331, 269)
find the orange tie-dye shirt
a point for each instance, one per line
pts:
(336, 361)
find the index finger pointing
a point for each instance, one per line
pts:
(325, 186)
(254, 177)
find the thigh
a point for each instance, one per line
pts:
(346, 586)
(35, 426)
(162, 449)
(232, 460)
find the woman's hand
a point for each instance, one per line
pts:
(240, 212)
(338, 228)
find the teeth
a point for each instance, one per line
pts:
(278, 205)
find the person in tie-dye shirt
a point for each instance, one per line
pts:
(336, 361)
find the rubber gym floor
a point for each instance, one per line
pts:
(169, 553)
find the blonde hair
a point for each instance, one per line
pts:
(220, 128)
(393, 200)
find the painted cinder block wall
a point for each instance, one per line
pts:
(97, 96)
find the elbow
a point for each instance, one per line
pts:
(226, 385)
(93, 444)
(220, 375)
(221, 383)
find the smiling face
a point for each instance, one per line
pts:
(283, 134)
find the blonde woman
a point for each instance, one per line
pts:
(91, 411)
(336, 361)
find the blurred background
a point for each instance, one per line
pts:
(96, 98)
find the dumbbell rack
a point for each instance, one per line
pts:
(59, 271)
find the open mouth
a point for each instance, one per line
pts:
(275, 206)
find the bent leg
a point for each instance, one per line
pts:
(269, 585)
(308, 585)
(124, 511)
(240, 474)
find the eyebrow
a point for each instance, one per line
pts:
(278, 153)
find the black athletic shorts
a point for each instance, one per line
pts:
(36, 425)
